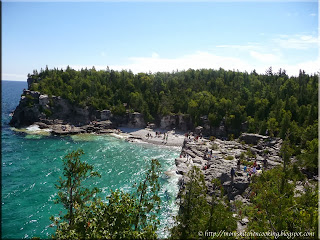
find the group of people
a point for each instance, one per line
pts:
(195, 137)
(158, 135)
(255, 168)
(149, 135)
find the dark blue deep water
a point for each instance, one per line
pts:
(32, 164)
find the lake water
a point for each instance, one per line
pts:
(32, 164)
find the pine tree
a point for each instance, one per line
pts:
(71, 193)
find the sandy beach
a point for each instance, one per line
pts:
(174, 138)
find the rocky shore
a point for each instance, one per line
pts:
(224, 156)
(215, 158)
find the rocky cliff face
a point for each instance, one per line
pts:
(177, 121)
(37, 107)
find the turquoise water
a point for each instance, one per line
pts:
(32, 164)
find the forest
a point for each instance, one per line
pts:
(272, 103)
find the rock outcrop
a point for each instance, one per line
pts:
(176, 121)
(36, 107)
(251, 138)
(52, 110)
(216, 158)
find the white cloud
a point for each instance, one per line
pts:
(103, 54)
(264, 57)
(199, 60)
(312, 14)
(249, 46)
(309, 67)
(155, 55)
(297, 41)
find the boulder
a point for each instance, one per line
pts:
(182, 169)
(251, 138)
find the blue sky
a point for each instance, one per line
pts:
(159, 36)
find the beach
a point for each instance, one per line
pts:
(173, 138)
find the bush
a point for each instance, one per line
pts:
(47, 112)
(212, 138)
(246, 163)
(214, 146)
(250, 154)
(229, 157)
(231, 137)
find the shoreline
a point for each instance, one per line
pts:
(140, 135)
(173, 138)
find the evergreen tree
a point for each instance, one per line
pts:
(71, 193)
(122, 216)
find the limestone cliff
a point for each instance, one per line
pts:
(46, 111)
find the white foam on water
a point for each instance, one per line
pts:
(33, 128)
(36, 128)
(169, 191)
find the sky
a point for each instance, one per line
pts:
(160, 36)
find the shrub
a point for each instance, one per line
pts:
(214, 146)
(229, 157)
(246, 163)
(212, 138)
(47, 112)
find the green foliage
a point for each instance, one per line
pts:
(275, 206)
(231, 137)
(71, 192)
(148, 199)
(272, 126)
(246, 163)
(47, 112)
(229, 157)
(122, 216)
(309, 159)
(30, 100)
(214, 146)
(119, 109)
(196, 214)
(286, 152)
(250, 154)
(212, 138)
(193, 206)
(242, 156)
